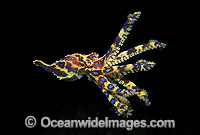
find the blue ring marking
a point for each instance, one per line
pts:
(69, 70)
(108, 70)
(107, 67)
(146, 62)
(92, 77)
(126, 81)
(125, 92)
(72, 58)
(138, 89)
(112, 101)
(101, 65)
(108, 51)
(126, 26)
(74, 70)
(100, 82)
(122, 106)
(99, 86)
(96, 73)
(110, 86)
(106, 94)
(97, 63)
(56, 73)
(80, 65)
(122, 66)
(119, 90)
(73, 77)
(101, 59)
(102, 79)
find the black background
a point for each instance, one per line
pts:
(49, 32)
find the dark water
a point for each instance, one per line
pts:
(52, 33)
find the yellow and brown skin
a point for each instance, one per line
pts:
(106, 71)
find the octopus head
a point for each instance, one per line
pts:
(71, 67)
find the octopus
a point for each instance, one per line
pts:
(107, 71)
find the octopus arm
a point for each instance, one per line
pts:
(118, 42)
(140, 65)
(141, 93)
(121, 107)
(103, 82)
(125, 55)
